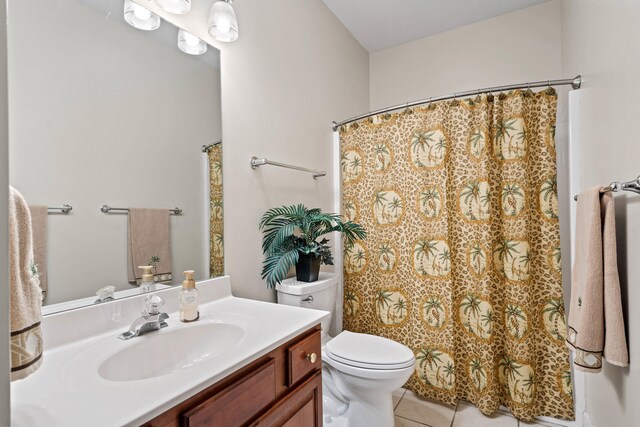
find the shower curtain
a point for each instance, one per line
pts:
(216, 243)
(462, 260)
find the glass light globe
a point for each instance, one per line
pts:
(177, 7)
(140, 17)
(188, 43)
(223, 24)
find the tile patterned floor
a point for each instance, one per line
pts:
(412, 411)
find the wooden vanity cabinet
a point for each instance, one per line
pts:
(281, 388)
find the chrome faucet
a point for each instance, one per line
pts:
(151, 320)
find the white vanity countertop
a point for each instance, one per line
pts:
(68, 390)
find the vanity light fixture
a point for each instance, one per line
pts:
(177, 7)
(223, 24)
(140, 17)
(188, 43)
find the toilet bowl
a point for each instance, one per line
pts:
(360, 371)
(365, 370)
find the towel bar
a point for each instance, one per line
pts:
(107, 209)
(615, 186)
(65, 209)
(256, 162)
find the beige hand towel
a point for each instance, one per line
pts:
(149, 244)
(25, 294)
(596, 323)
(39, 217)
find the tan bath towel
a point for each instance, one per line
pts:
(596, 323)
(39, 217)
(25, 294)
(149, 244)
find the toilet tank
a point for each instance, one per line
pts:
(320, 295)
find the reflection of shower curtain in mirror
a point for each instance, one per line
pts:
(462, 261)
(216, 244)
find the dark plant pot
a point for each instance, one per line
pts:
(308, 267)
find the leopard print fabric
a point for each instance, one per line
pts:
(462, 260)
(216, 223)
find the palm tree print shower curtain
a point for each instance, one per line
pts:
(216, 220)
(462, 261)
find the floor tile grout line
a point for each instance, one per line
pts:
(413, 421)
(454, 414)
(399, 400)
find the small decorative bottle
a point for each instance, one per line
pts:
(146, 282)
(188, 301)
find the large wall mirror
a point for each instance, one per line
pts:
(106, 114)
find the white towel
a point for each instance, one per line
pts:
(25, 294)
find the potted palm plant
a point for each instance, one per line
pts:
(291, 236)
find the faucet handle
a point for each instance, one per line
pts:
(152, 303)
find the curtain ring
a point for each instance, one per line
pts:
(502, 95)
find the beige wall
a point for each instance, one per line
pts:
(600, 40)
(293, 70)
(519, 46)
(106, 114)
(4, 243)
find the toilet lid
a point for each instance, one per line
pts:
(369, 351)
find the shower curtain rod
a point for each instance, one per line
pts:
(207, 148)
(575, 83)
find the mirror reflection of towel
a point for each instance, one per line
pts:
(149, 244)
(25, 296)
(39, 217)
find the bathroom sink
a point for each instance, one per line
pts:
(161, 353)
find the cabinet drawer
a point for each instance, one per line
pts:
(238, 403)
(303, 357)
(302, 407)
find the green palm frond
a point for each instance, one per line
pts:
(277, 265)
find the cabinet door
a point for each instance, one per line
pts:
(302, 407)
(238, 403)
(303, 357)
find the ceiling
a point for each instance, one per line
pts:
(380, 24)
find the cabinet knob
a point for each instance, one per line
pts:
(312, 357)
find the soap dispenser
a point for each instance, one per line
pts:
(146, 283)
(188, 301)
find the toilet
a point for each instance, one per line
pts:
(360, 371)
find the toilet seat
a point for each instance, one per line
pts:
(368, 352)
(368, 373)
